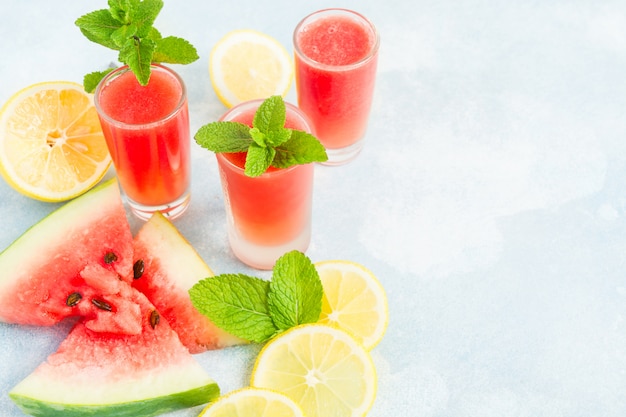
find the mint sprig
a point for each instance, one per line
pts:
(236, 303)
(267, 142)
(127, 26)
(257, 310)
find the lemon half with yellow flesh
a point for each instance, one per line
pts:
(51, 142)
(354, 300)
(247, 64)
(253, 402)
(322, 368)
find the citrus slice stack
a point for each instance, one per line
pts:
(354, 300)
(322, 368)
(253, 402)
(51, 142)
(246, 65)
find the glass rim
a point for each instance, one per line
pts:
(136, 126)
(255, 103)
(361, 62)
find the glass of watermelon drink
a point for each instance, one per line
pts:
(267, 215)
(147, 133)
(336, 53)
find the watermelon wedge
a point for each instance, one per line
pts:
(43, 277)
(122, 357)
(107, 374)
(167, 267)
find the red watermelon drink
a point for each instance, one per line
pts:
(336, 53)
(147, 133)
(270, 214)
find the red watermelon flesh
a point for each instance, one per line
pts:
(122, 357)
(45, 273)
(169, 267)
(116, 309)
(105, 374)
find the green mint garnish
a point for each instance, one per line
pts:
(267, 142)
(236, 303)
(127, 26)
(295, 295)
(255, 309)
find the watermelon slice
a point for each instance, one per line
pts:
(122, 357)
(167, 267)
(44, 277)
(107, 374)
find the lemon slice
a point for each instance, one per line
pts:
(51, 143)
(322, 368)
(246, 65)
(253, 402)
(354, 300)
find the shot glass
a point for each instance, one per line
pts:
(336, 54)
(147, 134)
(267, 215)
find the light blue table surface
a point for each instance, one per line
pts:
(490, 198)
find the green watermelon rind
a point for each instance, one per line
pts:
(145, 408)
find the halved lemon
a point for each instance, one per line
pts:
(51, 142)
(322, 368)
(253, 402)
(354, 300)
(247, 64)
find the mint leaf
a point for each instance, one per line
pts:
(224, 137)
(257, 310)
(278, 137)
(119, 9)
(258, 137)
(127, 26)
(272, 138)
(143, 15)
(258, 160)
(91, 80)
(137, 54)
(268, 142)
(123, 34)
(99, 26)
(270, 115)
(295, 294)
(236, 303)
(154, 34)
(301, 148)
(172, 50)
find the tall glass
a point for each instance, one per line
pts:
(147, 133)
(267, 215)
(336, 54)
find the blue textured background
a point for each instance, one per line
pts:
(490, 198)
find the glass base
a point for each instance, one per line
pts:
(264, 257)
(340, 156)
(171, 210)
